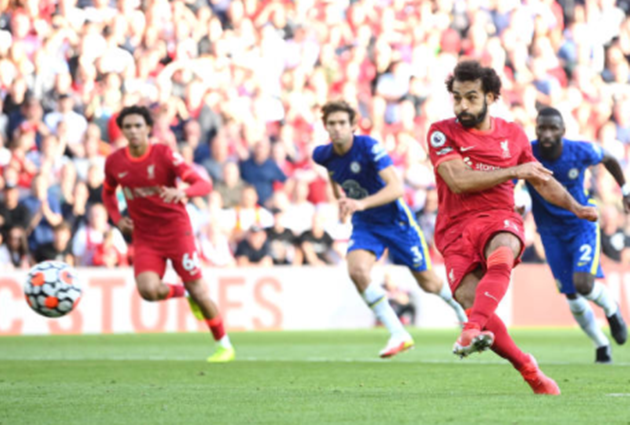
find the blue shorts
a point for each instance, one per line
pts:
(577, 250)
(405, 241)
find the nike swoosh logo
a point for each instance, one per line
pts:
(467, 148)
(121, 175)
(490, 296)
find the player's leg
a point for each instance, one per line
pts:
(149, 267)
(500, 252)
(198, 291)
(496, 336)
(560, 250)
(599, 294)
(409, 248)
(186, 263)
(587, 268)
(360, 264)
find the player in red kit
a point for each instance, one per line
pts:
(158, 220)
(476, 158)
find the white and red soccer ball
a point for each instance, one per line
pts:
(52, 288)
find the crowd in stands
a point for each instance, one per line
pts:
(236, 87)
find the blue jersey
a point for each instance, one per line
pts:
(569, 170)
(357, 172)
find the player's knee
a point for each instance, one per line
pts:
(429, 282)
(149, 293)
(360, 275)
(583, 283)
(195, 288)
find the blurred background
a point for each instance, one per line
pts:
(236, 86)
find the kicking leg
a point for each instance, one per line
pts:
(360, 263)
(431, 283)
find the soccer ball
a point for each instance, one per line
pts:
(52, 288)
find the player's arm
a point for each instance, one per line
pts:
(198, 186)
(392, 190)
(554, 193)
(614, 168)
(110, 201)
(460, 178)
(335, 187)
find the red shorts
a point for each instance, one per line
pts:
(467, 252)
(181, 251)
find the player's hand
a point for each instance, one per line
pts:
(349, 206)
(172, 194)
(125, 225)
(626, 204)
(532, 171)
(586, 213)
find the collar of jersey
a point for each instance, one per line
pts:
(489, 131)
(139, 158)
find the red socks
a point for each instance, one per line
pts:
(504, 345)
(216, 327)
(175, 291)
(492, 287)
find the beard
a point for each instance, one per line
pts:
(469, 120)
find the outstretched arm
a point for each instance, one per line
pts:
(614, 168)
(556, 194)
(460, 178)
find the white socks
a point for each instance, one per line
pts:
(225, 342)
(447, 296)
(583, 314)
(600, 295)
(376, 299)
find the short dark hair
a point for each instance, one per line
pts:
(338, 106)
(64, 225)
(473, 71)
(549, 112)
(135, 110)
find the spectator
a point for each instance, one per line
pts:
(76, 123)
(12, 211)
(107, 254)
(247, 214)
(230, 186)
(44, 213)
(299, 214)
(317, 244)
(59, 249)
(261, 171)
(282, 241)
(14, 253)
(254, 249)
(92, 235)
(74, 207)
(215, 246)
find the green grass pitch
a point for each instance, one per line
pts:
(302, 378)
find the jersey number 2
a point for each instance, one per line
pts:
(586, 251)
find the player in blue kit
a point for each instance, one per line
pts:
(572, 245)
(365, 182)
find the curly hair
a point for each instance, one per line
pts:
(473, 71)
(135, 110)
(338, 106)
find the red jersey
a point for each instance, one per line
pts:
(505, 145)
(141, 179)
